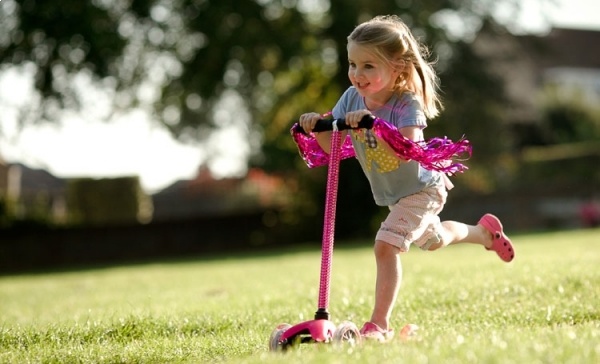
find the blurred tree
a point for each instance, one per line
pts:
(56, 42)
(179, 57)
(568, 119)
(7, 215)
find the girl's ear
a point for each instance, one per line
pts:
(400, 65)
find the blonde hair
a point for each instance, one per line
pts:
(392, 41)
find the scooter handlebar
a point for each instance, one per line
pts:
(327, 124)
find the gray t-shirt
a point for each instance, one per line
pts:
(390, 179)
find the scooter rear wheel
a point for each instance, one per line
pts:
(347, 333)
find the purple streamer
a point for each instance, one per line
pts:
(437, 154)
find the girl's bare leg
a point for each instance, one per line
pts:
(389, 278)
(389, 266)
(455, 232)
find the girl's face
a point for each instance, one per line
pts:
(373, 79)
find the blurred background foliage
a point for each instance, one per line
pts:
(107, 201)
(179, 59)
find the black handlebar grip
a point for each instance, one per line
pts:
(327, 124)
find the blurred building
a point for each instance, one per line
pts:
(566, 59)
(36, 196)
(35, 191)
(205, 196)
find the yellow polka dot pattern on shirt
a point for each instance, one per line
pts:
(384, 160)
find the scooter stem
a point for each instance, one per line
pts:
(329, 224)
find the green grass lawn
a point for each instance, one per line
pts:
(471, 307)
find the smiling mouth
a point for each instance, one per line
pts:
(361, 85)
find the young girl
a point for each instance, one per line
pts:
(392, 80)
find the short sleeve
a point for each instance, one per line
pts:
(341, 107)
(408, 112)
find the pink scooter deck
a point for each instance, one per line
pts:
(315, 330)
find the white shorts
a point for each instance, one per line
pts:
(414, 219)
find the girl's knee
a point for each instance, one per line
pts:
(383, 249)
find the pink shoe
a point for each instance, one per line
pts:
(500, 242)
(371, 331)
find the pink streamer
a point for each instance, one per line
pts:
(438, 154)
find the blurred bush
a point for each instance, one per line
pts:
(107, 201)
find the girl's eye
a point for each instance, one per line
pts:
(352, 65)
(369, 66)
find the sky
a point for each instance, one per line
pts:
(131, 145)
(579, 14)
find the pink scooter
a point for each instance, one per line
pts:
(321, 329)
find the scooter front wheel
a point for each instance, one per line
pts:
(274, 341)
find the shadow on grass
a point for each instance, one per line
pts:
(250, 252)
(239, 253)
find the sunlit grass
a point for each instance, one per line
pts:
(471, 307)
